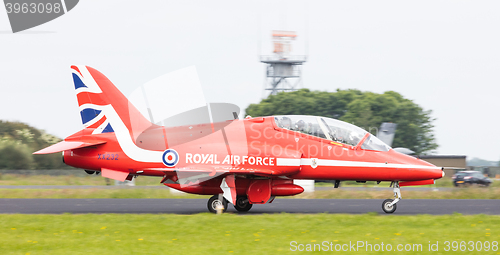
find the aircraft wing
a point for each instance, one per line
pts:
(187, 177)
(219, 170)
(68, 145)
(192, 177)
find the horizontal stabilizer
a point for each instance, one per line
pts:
(68, 145)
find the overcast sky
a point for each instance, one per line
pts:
(443, 55)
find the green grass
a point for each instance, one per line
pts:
(474, 192)
(94, 180)
(94, 193)
(445, 182)
(97, 180)
(407, 193)
(459, 193)
(232, 234)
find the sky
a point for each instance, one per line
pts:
(443, 55)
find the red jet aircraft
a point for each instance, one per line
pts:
(249, 161)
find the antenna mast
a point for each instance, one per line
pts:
(283, 71)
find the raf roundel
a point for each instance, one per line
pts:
(170, 157)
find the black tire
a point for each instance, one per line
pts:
(214, 201)
(242, 204)
(387, 208)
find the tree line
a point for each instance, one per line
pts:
(364, 109)
(17, 143)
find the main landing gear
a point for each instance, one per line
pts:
(242, 203)
(389, 205)
(216, 201)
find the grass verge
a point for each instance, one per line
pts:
(459, 193)
(94, 180)
(93, 193)
(407, 193)
(239, 234)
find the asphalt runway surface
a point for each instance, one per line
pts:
(163, 187)
(193, 206)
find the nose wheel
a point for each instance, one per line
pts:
(389, 205)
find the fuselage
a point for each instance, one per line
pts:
(256, 145)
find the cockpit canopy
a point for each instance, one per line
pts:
(331, 129)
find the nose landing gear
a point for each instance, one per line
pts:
(389, 205)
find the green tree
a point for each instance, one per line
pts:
(17, 143)
(365, 109)
(15, 155)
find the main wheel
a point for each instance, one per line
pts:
(387, 207)
(214, 201)
(242, 204)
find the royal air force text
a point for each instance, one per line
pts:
(228, 160)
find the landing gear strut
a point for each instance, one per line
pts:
(389, 205)
(215, 201)
(242, 204)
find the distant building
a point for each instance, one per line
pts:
(453, 163)
(490, 171)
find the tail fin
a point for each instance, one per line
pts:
(102, 106)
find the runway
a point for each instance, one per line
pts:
(163, 187)
(193, 206)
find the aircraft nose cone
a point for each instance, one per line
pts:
(436, 173)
